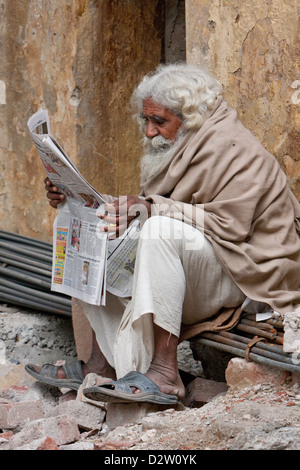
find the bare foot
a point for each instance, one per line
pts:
(92, 367)
(107, 371)
(166, 378)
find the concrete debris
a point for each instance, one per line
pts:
(35, 337)
(243, 405)
(292, 334)
(215, 416)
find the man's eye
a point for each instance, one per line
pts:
(155, 120)
(143, 118)
(159, 121)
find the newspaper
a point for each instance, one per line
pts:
(86, 263)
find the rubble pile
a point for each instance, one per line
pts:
(256, 401)
(252, 406)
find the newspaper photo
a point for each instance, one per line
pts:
(85, 262)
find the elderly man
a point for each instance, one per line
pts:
(221, 227)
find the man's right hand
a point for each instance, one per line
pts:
(53, 194)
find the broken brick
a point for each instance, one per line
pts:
(15, 414)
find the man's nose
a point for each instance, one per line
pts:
(151, 130)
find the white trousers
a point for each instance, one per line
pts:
(177, 279)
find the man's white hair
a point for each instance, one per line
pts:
(186, 90)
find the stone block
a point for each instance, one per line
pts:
(47, 444)
(88, 417)
(14, 393)
(4, 440)
(63, 430)
(6, 435)
(4, 444)
(14, 374)
(91, 380)
(201, 391)
(48, 394)
(241, 373)
(80, 445)
(44, 443)
(291, 339)
(125, 413)
(14, 415)
(69, 395)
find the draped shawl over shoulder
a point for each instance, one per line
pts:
(222, 181)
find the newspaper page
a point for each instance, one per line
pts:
(79, 255)
(121, 255)
(58, 166)
(85, 262)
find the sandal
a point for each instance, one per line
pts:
(48, 374)
(119, 391)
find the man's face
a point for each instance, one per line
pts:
(159, 121)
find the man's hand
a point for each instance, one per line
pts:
(55, 197)
(120, 213)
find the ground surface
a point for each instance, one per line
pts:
(258, 417)
(255, 418)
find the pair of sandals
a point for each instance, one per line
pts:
(118, 391)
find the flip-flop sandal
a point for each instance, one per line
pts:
(119, 391)
(48, 374)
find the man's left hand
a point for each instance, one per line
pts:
(120, 213)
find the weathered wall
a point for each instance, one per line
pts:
(253, 47)
(174, 41)
(80, 59)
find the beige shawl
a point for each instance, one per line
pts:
(225, 183)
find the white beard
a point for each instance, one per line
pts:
(158, 151)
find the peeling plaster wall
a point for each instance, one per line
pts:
(80, 59)
(253, 47)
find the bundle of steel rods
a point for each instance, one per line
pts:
(257, 341)
(25, 275)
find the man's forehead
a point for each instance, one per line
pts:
(151, 108)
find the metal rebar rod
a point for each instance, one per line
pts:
(261, 325)
(21, 276)
(256, 331)
(255, 349)
(24, 239)
(17, 301)
(36, 293)
(29, 297)
(12, 248)
(277, 323)
(267, 346)
(29, 248)
(30, 273)
(254, 357)
(11, 262)
(25, 260)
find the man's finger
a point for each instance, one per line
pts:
(53, 195)
(54, 204)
